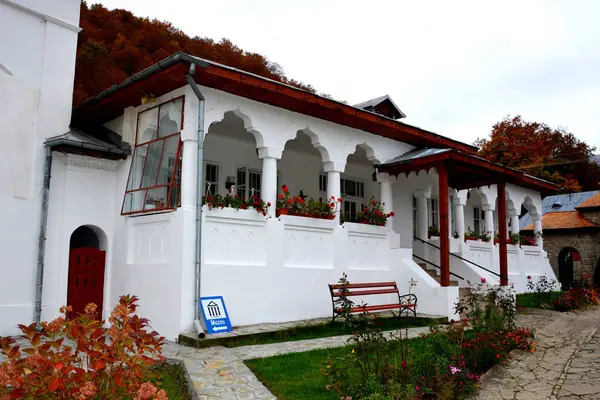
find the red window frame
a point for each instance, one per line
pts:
(172, 184)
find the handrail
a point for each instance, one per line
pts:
(461, 258)
(429, 262)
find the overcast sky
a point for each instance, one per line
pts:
(453, 67)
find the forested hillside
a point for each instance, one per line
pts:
(115, 44)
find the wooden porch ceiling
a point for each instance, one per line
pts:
(467, 171)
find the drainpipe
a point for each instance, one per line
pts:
(199, 195)
(39, 280)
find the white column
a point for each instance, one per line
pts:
(189, 178)
(385, 182)
(459, 215)
(334, 170)
(488, 212)
(514, 224)
(537, 229)
(422, 221)
(268, 189)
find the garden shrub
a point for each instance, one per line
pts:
(489, 308)
(575, 299)
(80, 359)
(543, 290)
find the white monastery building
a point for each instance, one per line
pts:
(106, 199)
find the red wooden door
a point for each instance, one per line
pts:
(86, 279)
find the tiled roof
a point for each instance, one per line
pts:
(559, 203)
(592, 202)
(562, 220)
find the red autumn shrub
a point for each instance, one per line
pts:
(80, 359)
(576, 298)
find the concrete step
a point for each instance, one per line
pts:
(438, 280)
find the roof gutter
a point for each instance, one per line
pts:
(89, 146)
(160, 66)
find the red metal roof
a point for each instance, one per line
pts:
(562, 220)
(592, 202)
(168, 75)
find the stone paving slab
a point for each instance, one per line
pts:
(565, 365)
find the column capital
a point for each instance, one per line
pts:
(334, 166)
(420, 193)
(488, 207)
(385, 177)
(270, 152)
(460, 197)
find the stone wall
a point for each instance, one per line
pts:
(586, 243)
(593, 216)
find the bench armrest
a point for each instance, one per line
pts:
(407, 299)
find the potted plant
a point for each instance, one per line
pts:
(332, 207)
(471, 234)
(455, 235)
(515, 238)
(373, 214)
(434, 231)
(486, 237)
(284, 201)
(527, 241)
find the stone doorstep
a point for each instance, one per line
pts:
(190, 338)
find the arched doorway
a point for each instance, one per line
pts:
(566, 260)
(86, 270)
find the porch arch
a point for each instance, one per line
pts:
(569, 260)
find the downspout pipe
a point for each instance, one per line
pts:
(39, 280)
(199, 195)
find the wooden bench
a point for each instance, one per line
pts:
(406, 303)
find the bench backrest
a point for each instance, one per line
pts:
(365, 289)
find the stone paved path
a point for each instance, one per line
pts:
(220, 373)
(566, 364)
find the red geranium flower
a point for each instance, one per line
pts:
(392, 214)
(280, 196)
(285, 189)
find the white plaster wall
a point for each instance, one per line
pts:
(37, 57)
(82, 193)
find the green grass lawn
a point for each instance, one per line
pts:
(172, 380)
(531, 300)
(298, 376)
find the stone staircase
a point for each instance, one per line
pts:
(435, 275)
(463, 292)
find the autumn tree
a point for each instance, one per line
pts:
(114, 45)
(551, 154)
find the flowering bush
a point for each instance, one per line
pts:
(575, 299)
(489, 308)
(79, 359)
(542, 290)
(373, 214)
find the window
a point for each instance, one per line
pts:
(353, 193)
(211, 175)
(323, 183)
(247, 180)
(352, 188)
(435, 212)
(478, 220)
(155, 175)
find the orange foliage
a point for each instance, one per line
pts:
(80, 359)
(551, 154)
(114, 45)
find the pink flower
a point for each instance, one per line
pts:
(483, 280)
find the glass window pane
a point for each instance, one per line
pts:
(170, 118)
(254, 178)
(362, 189)
(156, 198)
(146, 129)
(152, 163)
(134, 201)
(137, 165)
(175, 197)
(342, 187)
(350, 188)
(169, 159)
